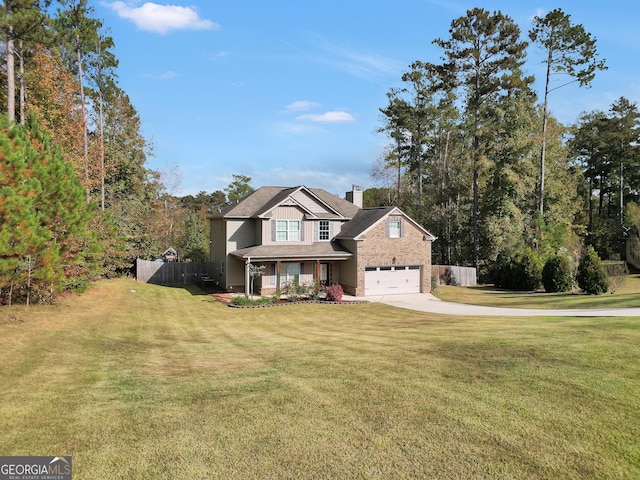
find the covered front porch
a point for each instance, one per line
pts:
(291, 265)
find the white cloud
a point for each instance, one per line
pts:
(366, 65)
(168, 75)
(301, 106)
(540, 12)
(153, 17)
(328, 117)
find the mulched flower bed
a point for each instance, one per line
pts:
(226, 298)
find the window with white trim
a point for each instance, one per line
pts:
(323, 230)
(394, 228)
(288, 230)
(289, 274)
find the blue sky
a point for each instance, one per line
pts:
(288, 92)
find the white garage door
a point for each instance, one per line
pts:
(390, 280)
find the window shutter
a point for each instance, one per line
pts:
(330, 230)
(301, 231)
(316, 231)
(273, 230)
(401, 228)
(387, 228)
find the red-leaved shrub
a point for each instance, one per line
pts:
(334, 293)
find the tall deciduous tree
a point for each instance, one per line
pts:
(102, 80)
(569, 50)
(53, 99)
(483, 56)
(78, 32)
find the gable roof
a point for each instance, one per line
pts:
(367, 218)
(362, 221)
(265, 199)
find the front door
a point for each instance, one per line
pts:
(324, 274)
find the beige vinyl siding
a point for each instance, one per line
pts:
(259, 226)
(311, 204)
(308, 271)
(287, 213)
(235, 274)
(348, 273)
(240, 234)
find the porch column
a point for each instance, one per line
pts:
(247, 278)
(318, 271)
(277, 276)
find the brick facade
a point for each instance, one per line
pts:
(379, 250)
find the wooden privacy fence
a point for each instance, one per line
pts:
(172, 273)
(453, 275)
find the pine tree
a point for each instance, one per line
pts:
(483, 57)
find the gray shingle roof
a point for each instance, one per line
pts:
(265, 198)
(326, 250)
(368, 217)
(363, 220)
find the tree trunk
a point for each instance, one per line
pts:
(476, 162)
(399, 173)
(621, 193)
(11, 75)
(23, 91)
(85, 136)
(102, 172)
(543, 149)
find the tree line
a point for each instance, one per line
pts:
(77, 201)
(476, 155)
(473, 154)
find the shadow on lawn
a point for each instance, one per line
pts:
(193, 289)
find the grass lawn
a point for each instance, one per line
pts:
(167, 383)
(628, 295)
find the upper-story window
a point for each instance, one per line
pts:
(287, 230)
(394, 228)
(323, 230)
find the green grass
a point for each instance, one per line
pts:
(167, 383)
(628, 295)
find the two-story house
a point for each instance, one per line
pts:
(302, 235)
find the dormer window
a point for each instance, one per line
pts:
(288, 230)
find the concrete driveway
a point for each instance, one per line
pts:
(425, 302)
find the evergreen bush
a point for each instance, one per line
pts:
(520, 272)
(592, 277)
(556, 274)
(243, 301)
